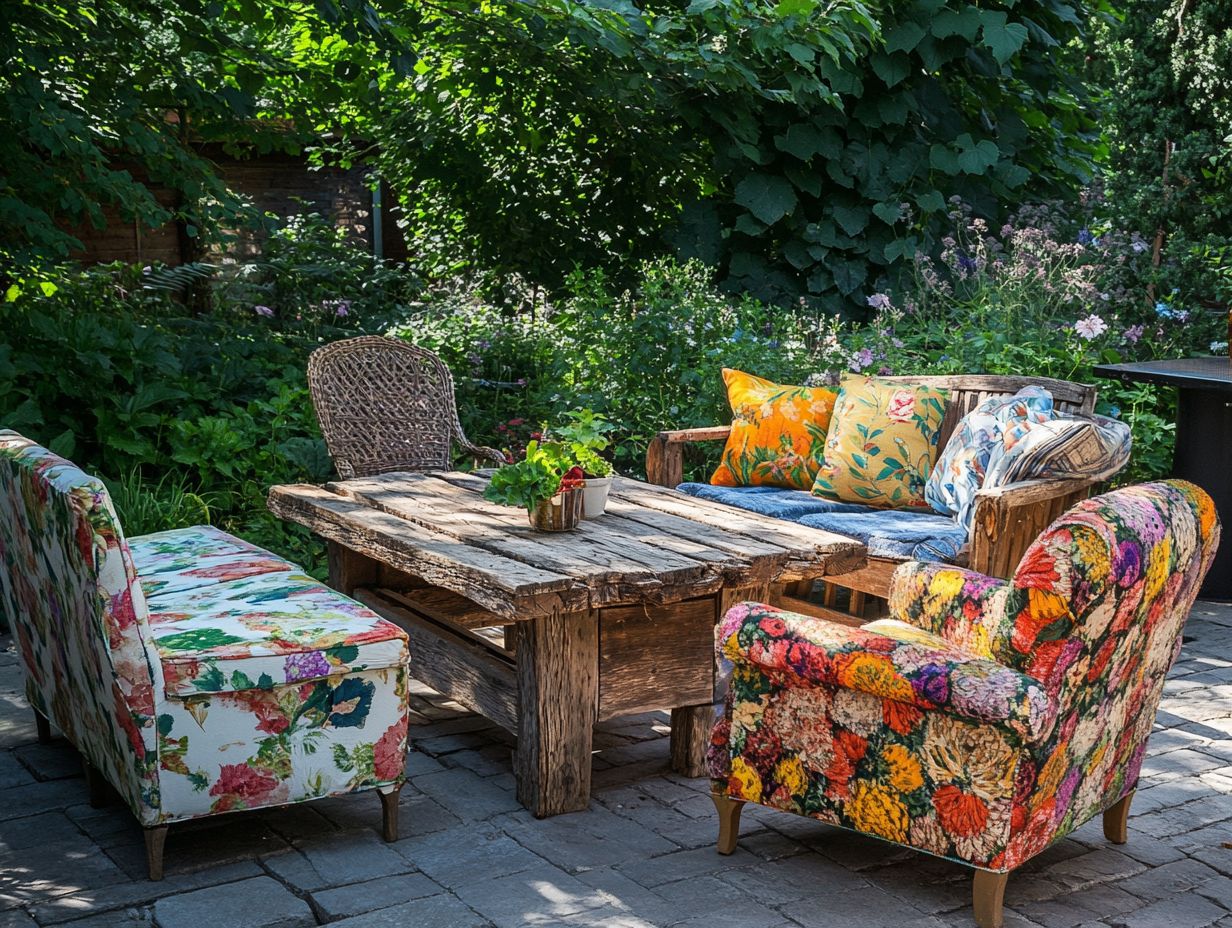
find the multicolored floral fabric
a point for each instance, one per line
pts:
(264, 630)
(323, 719)
(989, 718)
(186, 559)
(882, 443)
(778, 433)
(997, 423)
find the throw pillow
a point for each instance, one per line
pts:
(778, 433)
(882, 443)
(997, 423)
(1064, 446)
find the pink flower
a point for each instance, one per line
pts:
(1091, 327)
(902, 406)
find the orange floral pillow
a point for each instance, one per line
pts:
(778, 433)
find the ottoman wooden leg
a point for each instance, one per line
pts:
(155, 839)
(43, 727)
(1116, 820)
(389, 810)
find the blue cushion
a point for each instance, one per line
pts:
(895, 533)
(770, 501)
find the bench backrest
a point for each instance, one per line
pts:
(69, 590)
(967, 391)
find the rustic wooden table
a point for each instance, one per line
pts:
(546, 634)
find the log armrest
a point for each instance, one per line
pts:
(802, 651)
(1008, 518)
(665, 455)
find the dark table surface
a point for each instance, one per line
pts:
(1194, 373)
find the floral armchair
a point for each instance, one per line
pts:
(986, 719)
(196, 673)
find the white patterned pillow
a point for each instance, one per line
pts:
(1067, 446)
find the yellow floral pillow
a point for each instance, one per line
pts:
(882, 443)
(778, 433)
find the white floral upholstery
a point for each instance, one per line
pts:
(243, 683)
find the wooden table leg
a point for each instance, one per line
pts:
(348, 569)
(691, 727)
(558, 698)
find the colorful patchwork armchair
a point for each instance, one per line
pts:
(986, 719)
(196, 674)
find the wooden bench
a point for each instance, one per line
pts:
(1007, 519)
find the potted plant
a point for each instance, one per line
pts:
(585, 435)
(546, 483)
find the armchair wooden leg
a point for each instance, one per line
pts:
(1116, 820)
(96, 785)
(389, 810)
(729, 821)
(988, 895)
(43, 727)
(155, 839)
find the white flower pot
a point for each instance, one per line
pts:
(594, 496)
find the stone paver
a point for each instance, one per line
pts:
(641, 857)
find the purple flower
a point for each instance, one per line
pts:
(261, 310)
(933, 683)
(1133, 333)
(879, 301)
(1085, 237)
(340, 307)
(306, 666)
(862, 360)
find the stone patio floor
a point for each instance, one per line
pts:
(642, 856)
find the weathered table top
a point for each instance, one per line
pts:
(1194, 373)
(654, 545)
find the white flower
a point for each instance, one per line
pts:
(1219, 347)
(1091, 327)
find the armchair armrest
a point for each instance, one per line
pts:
(965, 607)
(482, 452)
(665, 454)
(804, 651)
(1008, 518)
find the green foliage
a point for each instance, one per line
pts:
(585, 434)
(801, 149)
(101, 96)
(534, 479)
(1167, 67)
(193, 416)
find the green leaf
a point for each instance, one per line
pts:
(964, 22)
(1004, 39)
(943, 159)
(766, 196)
(890, 68)
(853, 219)
(904, 37)
(887, 212)
(930, 202)
(804, 140)
(848, 275)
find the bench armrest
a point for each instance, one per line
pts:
(665, 454)
(803, 651)
(1008, 518)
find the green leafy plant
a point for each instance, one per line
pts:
(585, 433)
(547, 469)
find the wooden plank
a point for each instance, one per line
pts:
(446, 606)
(804, 607)
(507, 587)
(702, 433)
(873, 578)
(349, 569)
(691, 725)
(655, 658)
(558, 695)
(454, 666)
(616, 569)
(811, 544)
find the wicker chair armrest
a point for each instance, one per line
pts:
(665, 454)
(482, 452)
(1008, 518)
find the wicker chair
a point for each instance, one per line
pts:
(386, 405)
